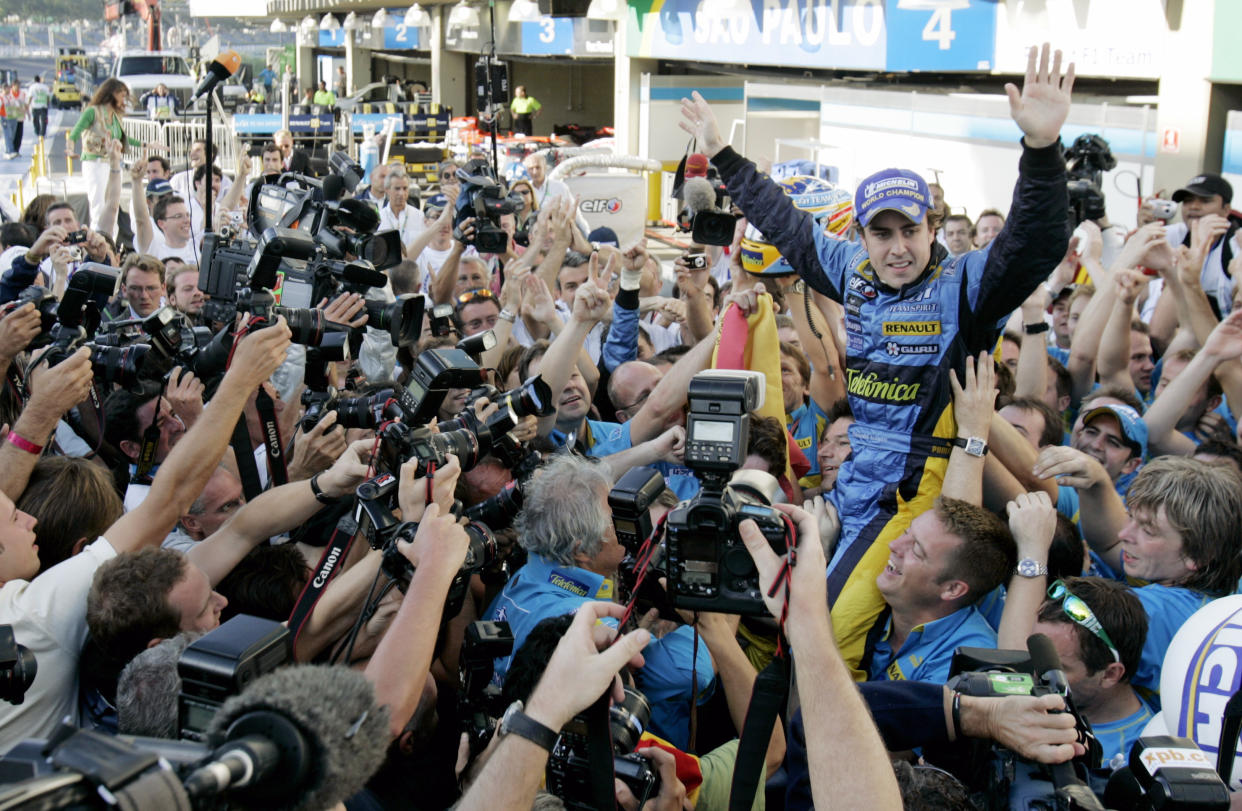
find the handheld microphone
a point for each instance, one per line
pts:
(221, 68)
(303, 737)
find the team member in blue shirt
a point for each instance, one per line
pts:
(566, 528)
(1099, 649)
(951, 555)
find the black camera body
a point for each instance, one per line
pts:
(569, 770)
(479, 701)
(221, 663)
(708, 566)
(17, 667)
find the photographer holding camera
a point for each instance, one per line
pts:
(48, 613)
(566, 528)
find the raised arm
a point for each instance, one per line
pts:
(143, 229)
(445, 277)
(1031, 379)
(185, 472)
(974, 403)
(112, 191)
(52, 392)
(1114, 356)
(669, 395)
(819, 344)
(591, 301)
(1033, 522)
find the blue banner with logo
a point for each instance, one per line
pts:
(548, 36)
(899, 35)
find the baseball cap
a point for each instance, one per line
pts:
(159, 187)
(1205, 185)
(897, 190)
(1132, 425)
(604, 236)
(435, 202)
(696, 165)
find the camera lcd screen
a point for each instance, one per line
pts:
(293, 292)
(711, 431)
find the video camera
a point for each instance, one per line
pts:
(1086, 161)
(485, 199)
(709, 568)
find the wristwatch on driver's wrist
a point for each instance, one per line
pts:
(517, 722)
(973, 445)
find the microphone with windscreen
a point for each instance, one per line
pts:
(300, 738)
(708, 225)
(221, 68)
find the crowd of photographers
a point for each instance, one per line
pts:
(603, 532)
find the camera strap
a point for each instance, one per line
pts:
(247, 470)
(18, 384)
(770, 694)
(271, 437)
(329, 563)
(599, 754)
(150, 443)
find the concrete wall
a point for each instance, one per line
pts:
(570, 92)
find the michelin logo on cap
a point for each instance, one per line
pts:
(892, 190)
(880, 185)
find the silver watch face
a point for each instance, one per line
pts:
(1028, 568)
(976, 446)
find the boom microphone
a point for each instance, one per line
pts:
(300, 738)
(221, 68)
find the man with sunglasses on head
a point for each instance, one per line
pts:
(477, 311)
(1098, 627)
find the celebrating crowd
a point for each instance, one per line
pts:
(975, 431)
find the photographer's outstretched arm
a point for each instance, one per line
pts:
(1037, 728)
(276, 511)
(401, 663)
(583, 666)
(845, 754)
(53, 392)
(338, 608)
(669, 395)
(185, 472)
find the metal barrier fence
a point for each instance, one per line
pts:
(177, 137)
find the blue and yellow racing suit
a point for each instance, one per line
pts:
(901, 345)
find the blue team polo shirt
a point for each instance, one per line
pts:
(1117, 737)
(543, 589)
(806, 425)
(927, 653)
(1168, 607)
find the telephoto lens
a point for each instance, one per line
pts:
(17, 667)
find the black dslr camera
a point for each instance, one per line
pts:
(708, 566)
(569, 771)
(486, 199)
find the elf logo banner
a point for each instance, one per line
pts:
(610, 205)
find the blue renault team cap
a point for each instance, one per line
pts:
(897, 190)
(435, 202)
(1132, 424)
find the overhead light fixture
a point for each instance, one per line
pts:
(463, 16)
(605, 10)
(278, 26)
(329, 23)
(351, 21)
(524, 11)
(308, 24)
(417, 16)
(381, 19)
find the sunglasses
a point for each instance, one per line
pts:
(471, 296)
(1077, 610)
